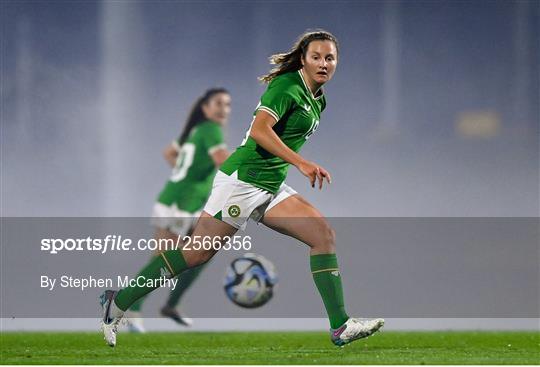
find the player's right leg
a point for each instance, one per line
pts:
(169, 222)
(168, 264)
(133, 315)
(230, 205)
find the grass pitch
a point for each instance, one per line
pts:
(271, 348)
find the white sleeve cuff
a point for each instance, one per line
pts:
(215, 148)
(176, 145)
(270, 111)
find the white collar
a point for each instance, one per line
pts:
(309, 90)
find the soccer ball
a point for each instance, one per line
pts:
(250, 281)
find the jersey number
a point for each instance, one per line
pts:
(183, 162)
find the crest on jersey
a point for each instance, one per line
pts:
(234, 211)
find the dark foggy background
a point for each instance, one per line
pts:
(433, 110)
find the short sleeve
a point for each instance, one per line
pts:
(277, 100)
(176, 144)
(212, 136)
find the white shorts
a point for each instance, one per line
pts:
(173, 219)
(238, 200)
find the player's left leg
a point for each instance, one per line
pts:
(296, 217)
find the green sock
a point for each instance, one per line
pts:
(170, 262)
(325, 271)
(137, 306)
(184, 282)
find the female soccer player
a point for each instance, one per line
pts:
(194, 156)
(250, 184)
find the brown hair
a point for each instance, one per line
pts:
(292, 60)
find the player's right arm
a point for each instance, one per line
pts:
(266, 137)
(219, 156)
(214, 143)
(170, 153)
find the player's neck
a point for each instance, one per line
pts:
(313, 86)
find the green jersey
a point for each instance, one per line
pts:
(191, 180)
(297, 112)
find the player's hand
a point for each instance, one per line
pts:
(315, 173)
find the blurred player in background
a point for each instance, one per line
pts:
(250, 184)
(194, 157)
